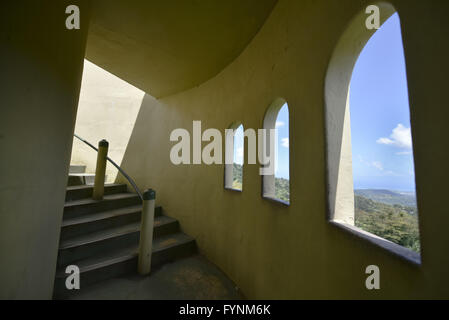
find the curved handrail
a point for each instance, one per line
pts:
(131, 181)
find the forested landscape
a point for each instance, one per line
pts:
(388, 214)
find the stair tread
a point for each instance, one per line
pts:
(101, 215)
(82, 174)
(99, 236)
(107, 259)
(170, 240)
(102, 260)
(77, 168)
(81, 187)
(110, 232)
(109, 197)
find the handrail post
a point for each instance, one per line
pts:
(146, 232)
(100, 171)
(131, 181)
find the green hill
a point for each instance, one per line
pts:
(282, 186)
(388, 196)
(396, 223)
(282, 189)
(388, 214)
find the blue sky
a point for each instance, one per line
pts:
(380, 117)
(238, 145)
(283, 143)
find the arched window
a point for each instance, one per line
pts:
(277, 186)
(369, 143)
(234, 151)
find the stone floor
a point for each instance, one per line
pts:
(193, 278)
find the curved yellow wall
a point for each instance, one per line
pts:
(274, 251)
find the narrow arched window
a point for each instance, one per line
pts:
(276, 184)
(369, 141)
(234, 151)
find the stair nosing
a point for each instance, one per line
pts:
(127, 254)
(102, 215)
(110, 234)
(109, 262)
(98, 216)
(103, 235)
(83, 186)
(88, 201)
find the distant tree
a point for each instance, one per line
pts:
(396, 223)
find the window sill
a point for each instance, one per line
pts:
(235, 190)
(278, 201)
(393, 248)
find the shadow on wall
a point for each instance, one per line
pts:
(135, 161)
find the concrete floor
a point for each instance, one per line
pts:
(193, 278)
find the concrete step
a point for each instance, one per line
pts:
(97, 243)
(78, 179)
(109, 240)
(99, 221)
(82, 191)
(108, 265)
(77, 168)
(81, 207)
(102, 220)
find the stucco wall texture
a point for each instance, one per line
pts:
(272, 251)
(41, 68)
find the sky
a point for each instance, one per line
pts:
(283, 144)
(238, 145)
(380, 115)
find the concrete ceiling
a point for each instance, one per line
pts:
(167, 46)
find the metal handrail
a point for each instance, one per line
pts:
(131, 181)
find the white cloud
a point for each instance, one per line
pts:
(401, 137)
(378, 165)
(285, 142)
(403, 153)
(279, 124)
(375, 164)
(385, 141)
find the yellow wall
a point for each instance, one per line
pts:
(273, 251)
(40, 76)
(107, 109)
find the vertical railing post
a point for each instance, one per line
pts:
(100, 171)
(146, 232)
